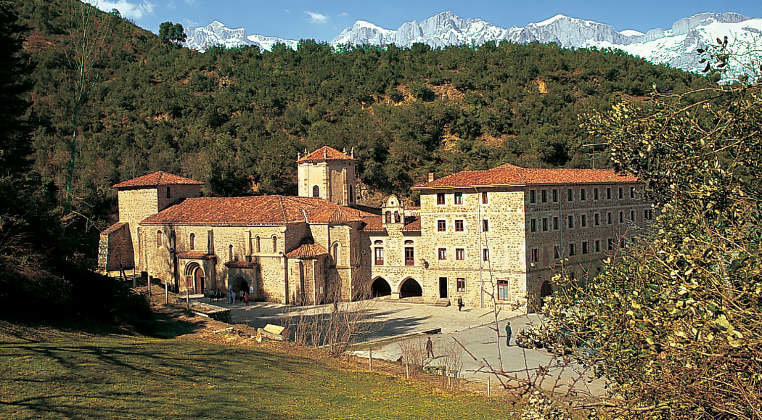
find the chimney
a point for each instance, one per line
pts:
(431, 177)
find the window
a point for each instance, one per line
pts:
(396, 217)
(230, 253)
(609, 218)
(544, 224)
(192, 241)
(440, 198)
(572, 251)
(534, 255)
(632, 192)
(458, 196)
(608, 193)
(441, 226)
(532, 196)
(388, 217)
(459, 254)
(169, 193)
(460, 284)
(158, 238)
(336, 253)
(582, 194)
(555, 196)
(485, 254)
(485, 199)
(570, 195)
(442, 253)
(502, 289)
(597, 245)
(544, 196)
(533, 225)
(610, 244)
(595, 194)
(556, 251)
(409, 255)
(621, 193)
(585, 248)
(597, 219)
(485, 225)
(632, 216)
(459, 225)
(583, 220)
(621, 217)
(316, 191)
(259, 244)
(571, 221)
(555, 222)
(378, 253)
(275, 243)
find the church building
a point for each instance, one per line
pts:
(491, 237)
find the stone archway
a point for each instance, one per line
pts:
(194, 278)
(545, 290)
(380, 287)
(410, 288)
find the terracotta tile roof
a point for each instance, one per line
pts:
(240, 264)
(113, 228)
(413, 224)
(307, 251)
(156, 179)
(375, 224)
(195, 255)
(258, 210)
(323, 154)
(512, 175)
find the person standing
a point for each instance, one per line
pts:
(460, 303)
(230, 294)
(246, 297)
(233, 295)
(429, 348)
(508, 333)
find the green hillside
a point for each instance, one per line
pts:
(236, 119)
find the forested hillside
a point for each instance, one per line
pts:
(236, 119)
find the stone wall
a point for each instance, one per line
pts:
(115, 249)
(335, 180)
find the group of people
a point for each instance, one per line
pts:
(240, 295)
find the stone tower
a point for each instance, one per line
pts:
(329, 174)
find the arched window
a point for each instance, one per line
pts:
(275, 243)
(158, 238)
(192, 241)
(388, 217)
(336, 253)
(258, 244)
(316, 191)
(396, 217)
(230, 253)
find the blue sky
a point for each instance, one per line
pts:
(322, 20)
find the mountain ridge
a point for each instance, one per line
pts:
(675, 46)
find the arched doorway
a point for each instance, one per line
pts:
(545, 290)
(410, 288)
(239, 284)
(380, 287)
(194, 278)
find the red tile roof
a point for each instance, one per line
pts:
(113, 228)
(258, 210)
(375, 223)
(323, 154)
(512, 175)
(195, 255)
(155, 179)
(307, 251)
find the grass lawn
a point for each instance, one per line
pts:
(75, 374)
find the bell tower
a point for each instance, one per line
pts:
(328, 174)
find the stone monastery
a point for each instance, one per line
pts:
(488, 236)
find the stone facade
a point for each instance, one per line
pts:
(495, 236)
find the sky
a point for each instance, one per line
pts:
(323, 20)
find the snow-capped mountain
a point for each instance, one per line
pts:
(675, 46)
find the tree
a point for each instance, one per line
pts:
(674, 322)
(172, 33)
